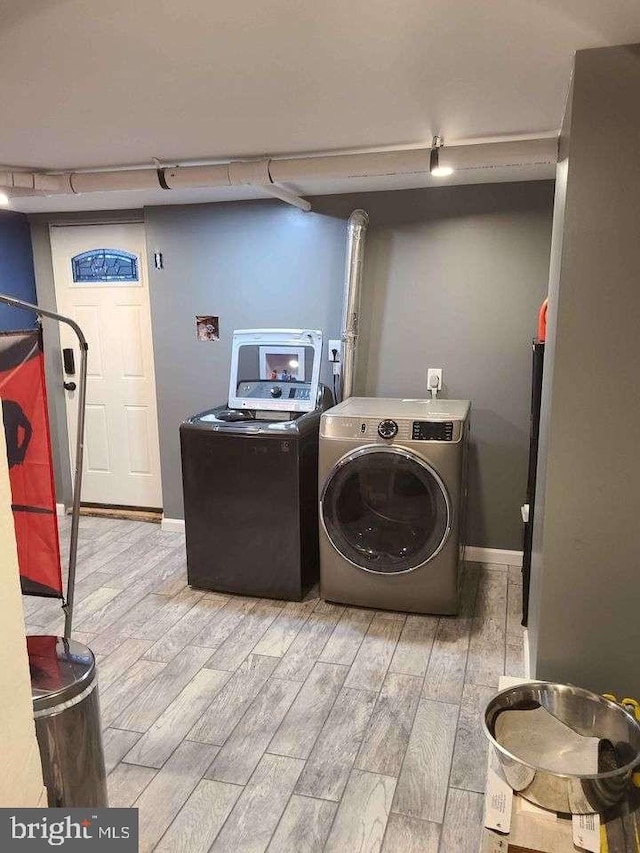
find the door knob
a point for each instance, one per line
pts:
(69, 386)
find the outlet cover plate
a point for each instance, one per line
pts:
(437, 373)
(337, 345)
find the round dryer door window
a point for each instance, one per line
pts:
(386, 510)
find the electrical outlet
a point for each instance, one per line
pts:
(434, 378)
(337, 347)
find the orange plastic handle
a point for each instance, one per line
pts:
(542, 321)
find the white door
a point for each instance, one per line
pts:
(101, 282)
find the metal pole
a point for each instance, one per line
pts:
(77, 487)
(356, 233)
(77, 480)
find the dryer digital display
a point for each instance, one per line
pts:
(432, 431)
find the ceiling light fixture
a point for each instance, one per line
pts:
(435, 168)
(5, 201)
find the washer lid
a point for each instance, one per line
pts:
(275, 369)
(60, 669)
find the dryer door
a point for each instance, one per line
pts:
(385, 510)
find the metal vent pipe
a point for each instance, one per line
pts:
(356, 234)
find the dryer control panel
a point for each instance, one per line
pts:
(432, 431)
(390, 431)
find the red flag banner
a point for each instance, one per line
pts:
(26, 426)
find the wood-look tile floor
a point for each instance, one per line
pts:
(239, 724)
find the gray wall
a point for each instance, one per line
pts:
(255, 265)
(585, 627)
(454, 278)
(557, 239)
(53, 363)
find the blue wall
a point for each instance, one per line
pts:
(16, 269)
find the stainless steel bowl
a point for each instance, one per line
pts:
(549, 748)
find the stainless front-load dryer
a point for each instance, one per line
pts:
(392, 499)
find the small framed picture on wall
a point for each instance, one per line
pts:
(207, 327)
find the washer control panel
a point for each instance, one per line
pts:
(267, 389)
(432, 431)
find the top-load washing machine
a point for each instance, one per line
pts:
(392, 502)
(250, 470)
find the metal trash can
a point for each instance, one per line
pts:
(66, 709)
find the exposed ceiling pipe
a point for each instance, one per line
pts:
(270, 173)
(188, 177)
(257, 173)
(126, 179)
(287, 196)
(236, 173)
(356, 233)
(34, 183)
(526, 152)
(498, 155)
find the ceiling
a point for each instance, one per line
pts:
(118, 82)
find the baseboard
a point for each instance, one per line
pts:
(61, 510)
(172, 525)
(474, 554)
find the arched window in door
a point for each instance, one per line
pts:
(104, 265)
